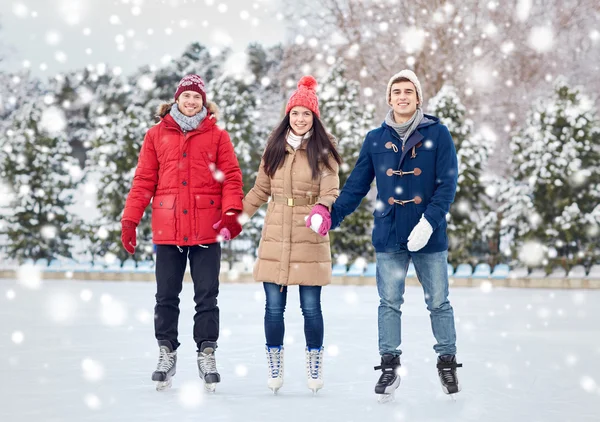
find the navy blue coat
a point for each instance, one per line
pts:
(429, 153)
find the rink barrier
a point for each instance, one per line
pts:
(235, 276)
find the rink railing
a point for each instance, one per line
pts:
(241, 272)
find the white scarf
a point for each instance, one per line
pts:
(295, 140)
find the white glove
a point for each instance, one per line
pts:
(419, 236)
(315, 222)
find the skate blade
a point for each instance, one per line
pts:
(275, 391)
(164, 385)
(450, 393)
(386, 398)
(210, 388)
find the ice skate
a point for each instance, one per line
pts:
(446, 366)
(314, 369)
(166, 367)
(389, 380)
(275, 368)
(207, 366)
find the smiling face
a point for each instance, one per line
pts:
(189, 103)
(403, 99)
(301, 120)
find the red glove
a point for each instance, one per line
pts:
(228, 223)
(128, 237)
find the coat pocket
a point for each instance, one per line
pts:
(164, 223)
(382, 226)
(208, 212)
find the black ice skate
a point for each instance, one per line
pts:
(207, 365)
(165, 369)
(389, 379)
(446, 366)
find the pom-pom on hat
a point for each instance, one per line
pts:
(305, 96)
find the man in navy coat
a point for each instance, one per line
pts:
(413, 161)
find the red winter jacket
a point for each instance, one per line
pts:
(191, 178)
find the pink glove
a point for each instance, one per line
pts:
(225, 234)
(325, 215)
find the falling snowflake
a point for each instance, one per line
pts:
(541, 39)
(17, 337)
(53, 120)
(191, 394)
(93, 371)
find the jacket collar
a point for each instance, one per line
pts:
(206, 124)
(415, 137)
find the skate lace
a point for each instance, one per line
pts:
(314, 358)
(448, 375)
(387, 375)
(165, 360)
(208, 363)
(275, 363)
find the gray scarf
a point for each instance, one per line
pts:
(187, 123)
(404, 130)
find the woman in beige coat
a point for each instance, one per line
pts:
(298, 176)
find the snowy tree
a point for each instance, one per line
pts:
(240, 118)
(467, 243)
(112, 162)
(265, 66)
(500, 54)
(36, 162)
(14, 90)
(152, 86)
(555, 156)
(348, 119)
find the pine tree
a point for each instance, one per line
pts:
(238, 116)
(112, 163)
(348, 119)
(37, 164)
(467, 243)
(556, 155)
(153, 86)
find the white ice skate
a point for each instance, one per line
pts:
(274, 368)
(166, 367)
(314, 369)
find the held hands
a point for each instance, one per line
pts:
(228, 226)
(419, 236)
(128, 236)
(319, 219)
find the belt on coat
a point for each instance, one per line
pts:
(292, 202)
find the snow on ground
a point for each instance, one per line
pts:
(84, 351)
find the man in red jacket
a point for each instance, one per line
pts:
(188, 167)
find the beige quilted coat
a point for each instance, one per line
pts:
(289, 252)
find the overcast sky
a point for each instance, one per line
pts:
(50, 36)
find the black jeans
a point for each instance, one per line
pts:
(205, 263)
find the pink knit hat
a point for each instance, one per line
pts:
(191, 82)
(305, 96)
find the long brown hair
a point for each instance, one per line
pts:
(318, 148)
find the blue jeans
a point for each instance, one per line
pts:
(310, 303)
(432, 272)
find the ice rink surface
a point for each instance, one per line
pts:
(84, 351)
